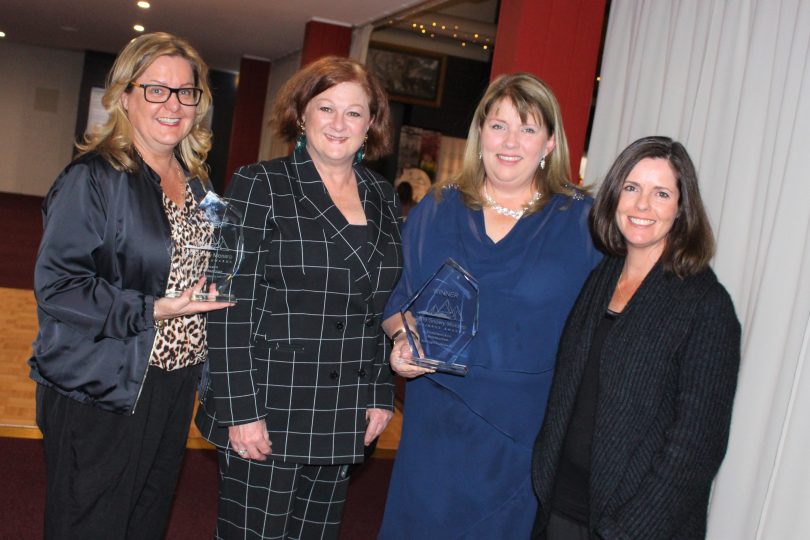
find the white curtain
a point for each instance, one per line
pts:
(730, 79)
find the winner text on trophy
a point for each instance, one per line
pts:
(216, 256)
(444, 316)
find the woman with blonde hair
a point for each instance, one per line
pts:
(117, 363)
(513, 220)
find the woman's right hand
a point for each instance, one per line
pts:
(169, 308)
(251, 441)
(401, 360)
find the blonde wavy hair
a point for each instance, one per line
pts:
(113, 139)
(531, 97)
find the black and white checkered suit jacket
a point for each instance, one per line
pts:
(303, 347)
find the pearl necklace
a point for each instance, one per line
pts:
(504, 211)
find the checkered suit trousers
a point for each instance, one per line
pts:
(277, 500)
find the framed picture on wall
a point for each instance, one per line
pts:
(408, 75)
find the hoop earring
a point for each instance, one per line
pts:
(301, 140)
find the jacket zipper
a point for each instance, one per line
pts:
(143, 381)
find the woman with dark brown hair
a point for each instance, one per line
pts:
(299, 377)
(638, 416)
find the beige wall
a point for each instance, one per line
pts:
(38, 101)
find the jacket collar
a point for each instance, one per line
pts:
(312, 193)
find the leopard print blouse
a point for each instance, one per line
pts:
(181, 342)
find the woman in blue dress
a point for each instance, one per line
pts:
(513, 220)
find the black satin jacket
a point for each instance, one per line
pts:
(104, 257)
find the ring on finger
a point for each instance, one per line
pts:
(242, 452)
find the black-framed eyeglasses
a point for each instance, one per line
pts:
(157, 93)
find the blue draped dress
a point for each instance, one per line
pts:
(463, 465)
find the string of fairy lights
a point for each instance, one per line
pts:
(466, 33)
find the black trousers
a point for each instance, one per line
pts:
(278, 500)
(112, 475)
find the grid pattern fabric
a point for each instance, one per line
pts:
(303, 347)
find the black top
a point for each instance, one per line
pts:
(570, 496)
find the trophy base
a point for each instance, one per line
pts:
(442, 367)
(205, 297)
(213, 297)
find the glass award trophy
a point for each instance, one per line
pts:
(444, 314)
(216, 254)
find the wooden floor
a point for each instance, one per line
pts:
(18, 328)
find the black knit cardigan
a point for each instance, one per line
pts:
(667, 377)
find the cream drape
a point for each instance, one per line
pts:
(730, 79)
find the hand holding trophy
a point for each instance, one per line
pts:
(444, 313)
(217, 258)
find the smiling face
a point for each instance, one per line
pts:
(336, 123)
(511, 148)
(648, 206)
(159, 127)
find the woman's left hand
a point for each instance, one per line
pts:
(376, 422)
(169, 308)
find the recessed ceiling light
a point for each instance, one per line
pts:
(138, 28)
(2, 34)
(144, 5)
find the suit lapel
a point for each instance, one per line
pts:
(381, 221)
(313, 195)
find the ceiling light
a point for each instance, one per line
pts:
(463, 44)
(486, 47)
(2, 34)
(144, 5)
(138, 28)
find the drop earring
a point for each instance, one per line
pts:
(361, 152)
(542, 162)
(301, 140)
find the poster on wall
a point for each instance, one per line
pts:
(418, 157)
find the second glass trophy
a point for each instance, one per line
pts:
(218, 256)
(444, 316)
